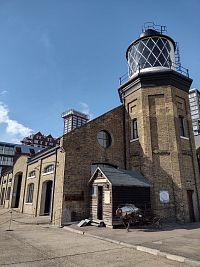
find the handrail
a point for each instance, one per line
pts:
(172, 65)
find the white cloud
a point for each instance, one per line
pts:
(3, 92)
(3, 113)
(85, 109)
(15, 130)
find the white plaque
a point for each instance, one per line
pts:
(164, 197)
(107, 197)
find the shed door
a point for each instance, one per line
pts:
(100, 203)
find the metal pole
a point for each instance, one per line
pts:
(9, 228)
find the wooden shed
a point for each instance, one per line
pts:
(111, 187)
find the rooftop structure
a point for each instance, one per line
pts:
(73, 119)
(152, 51)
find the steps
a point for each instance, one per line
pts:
(97, 223)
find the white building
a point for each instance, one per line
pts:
(194, 100)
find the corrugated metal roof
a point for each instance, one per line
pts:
(119, 177)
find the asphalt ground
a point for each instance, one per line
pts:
(180, 242)
(25, 244)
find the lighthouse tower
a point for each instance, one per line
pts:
(159, 140)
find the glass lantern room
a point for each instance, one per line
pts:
(151, 51)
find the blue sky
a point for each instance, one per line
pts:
(61, 54)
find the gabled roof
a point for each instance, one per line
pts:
(119, 177)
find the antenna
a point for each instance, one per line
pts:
(177, 57)
(156, 27)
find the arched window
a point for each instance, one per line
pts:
(49, 169)
(31, 174)
(29, 193)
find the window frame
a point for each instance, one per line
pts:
(29, 193)
(104, 139)
(31, 174)
(48, 169)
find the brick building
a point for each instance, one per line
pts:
(150, 133)
(40, 140)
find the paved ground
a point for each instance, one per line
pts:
(43, 245)
(174, 239)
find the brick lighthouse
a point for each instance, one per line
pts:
(159, 139)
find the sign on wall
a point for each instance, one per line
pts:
(107, 197)
(164, 196)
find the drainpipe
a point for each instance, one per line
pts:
(54, 180)
(6, 190)
(36, 207)
(195, 181)
(124, 130)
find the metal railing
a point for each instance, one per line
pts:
(177, 67)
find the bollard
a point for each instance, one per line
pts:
(9, 228)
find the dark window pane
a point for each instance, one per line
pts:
(181, 126)
(156, 51)
(134, 129)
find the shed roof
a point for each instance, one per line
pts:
(119, 177)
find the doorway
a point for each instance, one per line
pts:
(100, 203)
(17, 191)
(191, 205)
(45, 207)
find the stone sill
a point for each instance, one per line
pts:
(31, 177)
(133, 140)
(46, 173)
(184, 137)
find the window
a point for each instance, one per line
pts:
(29, 193)
(134, 129)
(194, 108)
(32, 151)
(194, 117)
(181, 126)
(49, 168)
(18, 149)
(31, 174)
(194, 112)
(104, 139)
(8, 193)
